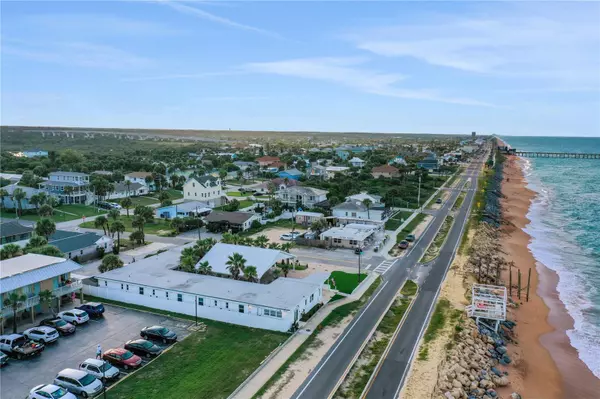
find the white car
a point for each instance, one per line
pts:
(99, 369)
(74, 316)
(79, 382)
(41, 334)
(47, 391)
(289, 236)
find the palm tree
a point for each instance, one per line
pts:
(110, 262)
(36, 241)
(285, 268)
(68, 193)
(9, 251)
(127, 203)
(47, 298)
(235, 265)
(261, 241)
(204, 268)
(3, 193)
(15, 300)
(45, 227)
(250, 273)
(177, 223)
(138, 236)
(149, 180)
(274, 245)
(48, 250)
(174, 180)
(35, 200)
(138, 222)
(163, 196)
(128, 184)
(46, 210)
(101, 221)
(18, 195)
(367, 202)
(117, 227)
(114, 214)
(286, 246)
(187, 263)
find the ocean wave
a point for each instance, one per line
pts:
(555, 247)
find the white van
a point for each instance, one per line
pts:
(79, 382)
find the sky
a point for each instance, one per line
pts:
(507, 68)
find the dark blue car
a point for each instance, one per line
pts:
(94, 309)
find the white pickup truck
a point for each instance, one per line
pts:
(16, 345)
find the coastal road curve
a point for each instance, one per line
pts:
(324, 378)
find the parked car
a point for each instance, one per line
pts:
(74, 316)
(158, 333)
(45, 335)
(59, 325)
(46, 391)
(104, 205)
(93, 309)
(403, 244)
(438, 201)
(289, 236)
(100, 369)
(79, 382)
(142, 347)
(114, 205)
(3, 359)
(19, 346)
(122, 358)
(410, 238)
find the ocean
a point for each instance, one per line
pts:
(565, 231)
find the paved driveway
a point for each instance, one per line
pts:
(118, 326)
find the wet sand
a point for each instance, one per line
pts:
(546, 365)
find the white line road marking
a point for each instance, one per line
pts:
(384, 266)
(343, 338)
(368, 266)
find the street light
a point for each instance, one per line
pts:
(359, 254)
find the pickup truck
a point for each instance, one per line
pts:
(18, 346)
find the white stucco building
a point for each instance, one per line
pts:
(154, 283)
(306, 196)
(203, 188)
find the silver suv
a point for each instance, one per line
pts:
(99, 369)
(79, 382)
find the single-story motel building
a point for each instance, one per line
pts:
(154, 282)
(32, 273)
(184, 209)
(352, 235)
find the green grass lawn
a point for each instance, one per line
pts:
(150, 228)
(243, 204)
(396, 220)
(234, 193)
(205, 365)
(408, 229)
(409, 288)
(346, 282)
(62, 213)
(173, 194)
(139, 201)
(435, 247)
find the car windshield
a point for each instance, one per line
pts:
(20, 341)
(59, 393)
(87, 380)
(82, 314)
(145, 344)
(60, 323)
(105, 366)
(127, 355)
(98, 307)
(163, 331)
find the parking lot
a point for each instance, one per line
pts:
(117, 327)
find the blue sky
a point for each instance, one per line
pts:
(528, 68)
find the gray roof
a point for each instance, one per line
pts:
(261, 258)
(29, 191)
(351, 206)
(292, 172)
(304, 190)
(68, 243)
(206, 180)
(157, 272)
(121, 187)
(231, 217)
(13, 228)
(188, 206)
(350, 232)
(64, 183)
(32, 268)
(61, 173)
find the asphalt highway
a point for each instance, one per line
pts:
(322, 381)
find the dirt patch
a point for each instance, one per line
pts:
(298, 371)
(315, 268)
(274, 233)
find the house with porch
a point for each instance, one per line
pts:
(10, 203)
(357, 162)
(123, 190)
(352, 210)
(32, 273)
(69, 187)
(234, 221)
(140, 177)
(13, 231)
(204, 188)
(306, 197)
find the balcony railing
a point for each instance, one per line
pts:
(35, 300)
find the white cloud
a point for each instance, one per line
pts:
(177, 76)
(348, 72)
(550, 42)
(82, 54)
(196, 12)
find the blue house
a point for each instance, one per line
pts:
(184, 209)
(35, 153)
(292, 174)
(430, 162)
(345, 151)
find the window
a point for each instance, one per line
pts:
(69, 255)
(105, 283)
(179, 298)
(201, 301)
(215, 303)
(81, 252)
(189, 194)
(193, 184)
(127, 286)
(337, 240)
(226, 305)
(241, 308)
(121, 285)
(305, 301)
(195, 194)
(353, 242)
(167, 294)
(153, 292)
(273, 313)
(312, 297)
(279, 314)
(141, 290)
(353, 214)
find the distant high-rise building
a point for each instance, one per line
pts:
(473, 134)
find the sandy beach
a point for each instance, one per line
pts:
(546, 365)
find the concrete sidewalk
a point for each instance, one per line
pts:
(270, 366)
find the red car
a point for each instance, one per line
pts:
(122, 358)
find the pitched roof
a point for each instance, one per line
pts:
(231, 217)
(261, 258)
(121, 187)
(13, 228)
(68, 243)
(139, 175)
(267, 159)
(292, 172)
(356, 159)
(63, 173)
(385, 169)
(206, 180)
(280, 180)
(351, 206)
(305, 190)
(32, 268)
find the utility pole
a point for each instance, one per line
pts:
(419, 195)
(198, 216)
(359, 254)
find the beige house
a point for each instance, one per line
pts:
(385, 171)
